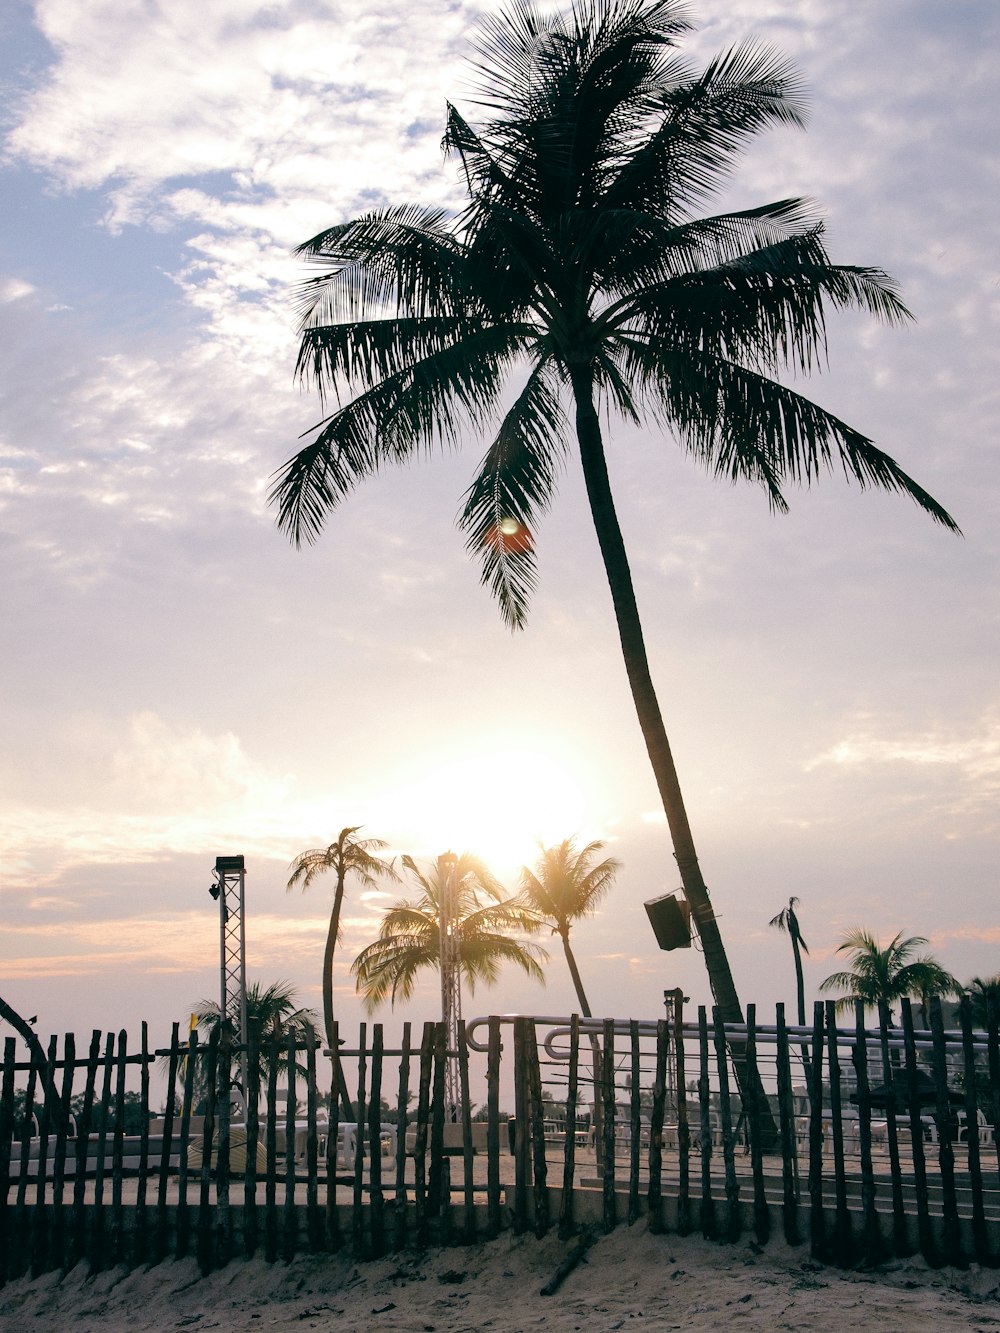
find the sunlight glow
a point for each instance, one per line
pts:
(496, 804)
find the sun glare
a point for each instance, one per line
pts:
(497, 804)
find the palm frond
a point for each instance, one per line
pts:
(515, 484)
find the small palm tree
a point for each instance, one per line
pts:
(982, 993)
(347, 855)
(565, 886)
(273, 1016)
(409, 940)
(886, 974)
(787, 920)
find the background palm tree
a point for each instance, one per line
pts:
(565, 886)
(888, 974)
(787, 920)
(273, 1015)
(409, 939)
(981, 993)
(582, 261)
(347, 855)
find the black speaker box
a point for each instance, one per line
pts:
(670, 918)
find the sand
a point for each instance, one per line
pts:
(630, 1280)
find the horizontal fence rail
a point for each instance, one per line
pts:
(861, 1141)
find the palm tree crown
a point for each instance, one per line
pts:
(584, 267)
(409, 939)
(272, 1016)
(346, 855)
(565, 886)
(984, 993)
(889, 973)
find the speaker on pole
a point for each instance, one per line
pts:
(670, 918)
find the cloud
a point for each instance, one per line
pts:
(158, 789)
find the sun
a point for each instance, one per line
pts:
(496, 803)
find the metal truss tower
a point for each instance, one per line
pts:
(229, 889)
(451, 978)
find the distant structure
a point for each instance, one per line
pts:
(451, 980)
(228, 888)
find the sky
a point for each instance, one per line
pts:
(179, 683)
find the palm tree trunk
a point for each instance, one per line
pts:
(53, 1102)
(800, 996)
(609, 536)
(595, 1047)
(331, 944)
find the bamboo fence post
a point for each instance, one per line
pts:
(204, 1238)
(655, 1197)
(252, 1127)
(334, 1237)
(786, 1129)
(817, 1220)
(874, 1246)
(55, 1255)
(946, 1154)
(39, 1240)
(223, 1247)
(78, 1245)
(376, 1208)
(842, 1220)
(979, 1237)
(635, 1124)
(608, 1128)
(140, 1243)
(402, 1116)
(420, 1136)
(569, 1148)
(20, 1250)
(707, 1209)
(290, 1220)
(97, 1235)
(993, 1064)
(493, 1052)
(183, 1210)
(734, 1219)
(521, 1140)
(26, 1136)
(118, 1152)
(928, 1248)
(357, 1211)
(683, 1125)
(468, 1183)
(437, 1112)
(537, 1122)
(57, 1244)
(900, 1233)
(444, 1218)
(314, 1220)
(755, 1126)
(273, 1050)
(6, 1140)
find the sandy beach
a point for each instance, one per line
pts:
(629, 1280)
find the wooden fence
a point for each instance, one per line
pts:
(870, 1140)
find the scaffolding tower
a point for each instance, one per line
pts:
(229, 889)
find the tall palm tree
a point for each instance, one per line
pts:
(787, 920)
(888, 973)
(582, 267)
(346, 855)
(565, 886)
(409, 939)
